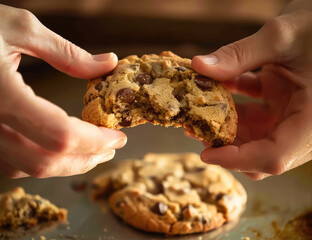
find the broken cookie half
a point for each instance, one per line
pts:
(22, 213)
(163, 90)
(171, 193)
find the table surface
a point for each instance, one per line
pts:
(277, 198)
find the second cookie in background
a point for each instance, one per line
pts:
(171, 193)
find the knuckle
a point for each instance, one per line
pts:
(26, 15)
(276, 166)
(44, 167)
(26, 20)
(16, 102)
(63, 141)
(40, 171)
(72, 53)
(237, 51)
(281, 32)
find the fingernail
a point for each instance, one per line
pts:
(209, 59)
(118, 143)
(104, 57)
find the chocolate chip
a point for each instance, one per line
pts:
(30, 213)
(126, 95)
(217, 143)
(79, 186)
(181, 191)
(223, 106)
(223, 196)
(204, 220)
(198, 169)
(202, 125)
(144, 78)
(220, 196)
(99, 86)
(158, 184)
(205, 127)
(181, 94)
(125, 122)
(160, 188)
(181, 69)
(160, 208)
(203, 83)
(6, 226)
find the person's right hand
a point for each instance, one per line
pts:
(38, 138)
(276, 136)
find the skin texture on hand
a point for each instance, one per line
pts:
(276, 136)
(37, 138)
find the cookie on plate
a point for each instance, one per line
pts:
(20, 212)
(171, 193)
(163, 90)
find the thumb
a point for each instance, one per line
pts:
(236, 58)
(64, 55)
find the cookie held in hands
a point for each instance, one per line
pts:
(163, 90)
(171, 193)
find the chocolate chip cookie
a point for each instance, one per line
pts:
(171, 193)
(163, 90)
(21, 211)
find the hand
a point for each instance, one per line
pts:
(38, 138)
(274, 136)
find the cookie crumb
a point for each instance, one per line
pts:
(79, 186)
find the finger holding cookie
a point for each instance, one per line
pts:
(38, 138)
(275, 133)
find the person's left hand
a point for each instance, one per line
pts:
(37, 138)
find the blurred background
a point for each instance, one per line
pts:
(187, 27)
